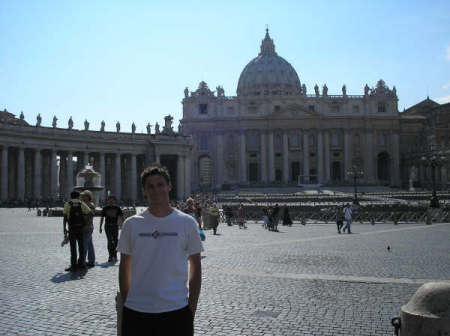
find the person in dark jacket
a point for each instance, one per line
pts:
(286, 217)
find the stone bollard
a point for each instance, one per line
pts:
(427, 313)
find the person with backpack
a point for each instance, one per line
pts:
(74, 216)
(89, 251)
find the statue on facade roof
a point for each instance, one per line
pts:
(220, 91)
(394, 91)
(325, 90)
(38, 120)
(180, 129)
(86, 125)
(55, 120)
(70, 123)
(22, 117)
(316, 90)
(186, 92)
(102, 126)
(344, 90)
(149, 128)
(118, 127)
(366, 90)
(157, 128)
(133, 128)
(304, 89)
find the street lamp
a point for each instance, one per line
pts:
(355, 173)
(433, 159)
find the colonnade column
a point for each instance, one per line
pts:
(327, 158)
(395, 179)
(21, 174)
(69, 174)
(219, 161)
(53, 177)
(133, 176)
(37, 174)
(118, 177)
(271, 158)
(263, 158)
(85, 159)
(320, 157)
(101, 166)
(347, 153)
(285, 158)
(180, 177)
(243, 160)
(305, 158)
(187, 176)
(368, 157)
(4, 176)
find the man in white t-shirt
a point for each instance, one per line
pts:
(156, 247)
(348, 218)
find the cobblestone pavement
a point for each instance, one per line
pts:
(304, 280)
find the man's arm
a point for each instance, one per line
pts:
(124, 275)
(101, 223)
(195, 280)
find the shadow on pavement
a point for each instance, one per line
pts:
(107, 264)
(68, 276)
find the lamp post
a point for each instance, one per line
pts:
(434, 159)
(355, 173)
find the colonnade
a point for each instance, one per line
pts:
(314, 157)
(50, 173)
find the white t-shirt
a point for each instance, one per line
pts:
(159, 250)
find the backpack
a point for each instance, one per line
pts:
(76, 218)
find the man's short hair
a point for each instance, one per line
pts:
(75, 194)
(155, 170)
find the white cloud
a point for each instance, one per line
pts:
(443, 100)
(447, 53)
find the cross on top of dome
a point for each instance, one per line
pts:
(267, 45)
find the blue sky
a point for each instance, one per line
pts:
(131, 60)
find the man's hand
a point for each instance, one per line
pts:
(195, 281)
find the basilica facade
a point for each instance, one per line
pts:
(274, 132)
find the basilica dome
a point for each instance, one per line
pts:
(268, 74)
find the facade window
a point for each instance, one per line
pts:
(277, 141)
(335, 108)
(203, 142)
(203, 108)
(382, 140)
(230, 109)
(381, 107)
(252, 141)
(294, 141)
(276, 108)
(355, 109)
(334, 140)
(311, 108)
(311, 139)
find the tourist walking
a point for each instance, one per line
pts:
(286, 217)
(156, 247)
(113, 216)
(266, 218)
(275, 217)
(213, 214)
(89, 252)
(339, 218)
(74, 213)
(228, 212)
(348, 218)
(241, 217)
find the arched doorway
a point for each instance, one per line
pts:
(205, 170)
(383, 168)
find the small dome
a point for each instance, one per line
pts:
(268, 73)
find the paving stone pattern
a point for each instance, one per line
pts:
(304, 280)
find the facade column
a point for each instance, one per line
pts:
(4, 176)
(327, 158)
(21, 174)
(37, 179)
(180, 177)
(395, 176)
(243, 159)
(101, 157)
(444, 173)
(157, 158)
(219, 161)
(118, 177)
(347, 153)
(320, 157)
(305, 157)
(271, 158)
(263, 157)
(187, 176)
(85, 159)
(368, 157)
(69, 174)
(133, 179)
(285, 158)
(53, 176)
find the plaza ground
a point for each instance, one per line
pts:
(304, 280)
